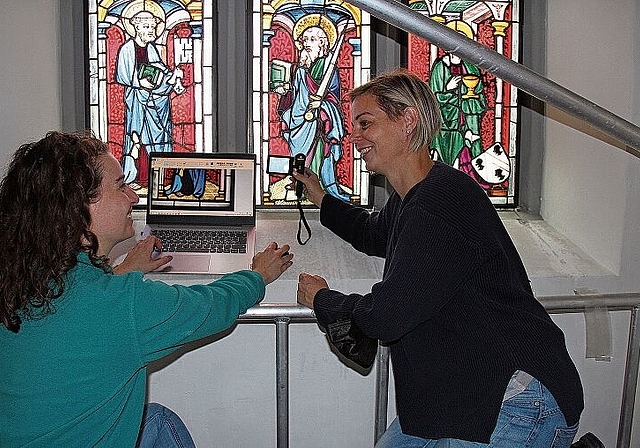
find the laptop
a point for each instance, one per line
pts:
(207, 199)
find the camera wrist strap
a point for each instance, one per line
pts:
(301, 221)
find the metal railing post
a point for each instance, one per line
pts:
(382, 392)
(282, 381)
(630, 382)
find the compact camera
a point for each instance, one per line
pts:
(285, 165)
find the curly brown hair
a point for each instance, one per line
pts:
(45, 218)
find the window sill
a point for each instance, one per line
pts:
(554, 264)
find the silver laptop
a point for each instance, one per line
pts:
(202, 207)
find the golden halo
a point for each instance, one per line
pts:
(137, 6)
(461, 27)
(315, 20)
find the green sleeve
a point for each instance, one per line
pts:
(165, 317)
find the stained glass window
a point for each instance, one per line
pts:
(479, 111)
(306, 56)
(151, 79)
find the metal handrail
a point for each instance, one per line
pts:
(282, 314)
(403, 17)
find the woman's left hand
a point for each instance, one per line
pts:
(142, 257)
(308, 287)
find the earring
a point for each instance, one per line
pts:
(408, 131)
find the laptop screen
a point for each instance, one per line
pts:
(199, 188)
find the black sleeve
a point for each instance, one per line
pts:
(429, 263)
(366, 231)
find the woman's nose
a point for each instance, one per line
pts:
(133, 196)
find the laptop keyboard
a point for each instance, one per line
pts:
(187, 240)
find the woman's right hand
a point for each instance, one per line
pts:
(312, 188)
(145, 256)
(272, 262)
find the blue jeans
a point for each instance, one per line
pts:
(163, 428)
(531, 419)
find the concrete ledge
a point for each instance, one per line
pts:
(555, 265)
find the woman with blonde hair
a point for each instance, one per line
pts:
(477, 361)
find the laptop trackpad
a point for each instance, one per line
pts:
(183, 263)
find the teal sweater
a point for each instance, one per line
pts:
(78, 377)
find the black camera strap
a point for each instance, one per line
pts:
(301, 221)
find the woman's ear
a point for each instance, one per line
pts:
(410, 118)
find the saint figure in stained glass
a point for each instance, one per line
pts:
(310, 104)
(459, 89)
(148, 83)
(151, 80)
(307, 56)
(479, 110)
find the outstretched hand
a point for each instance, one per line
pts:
(272, 262)
(141, 257)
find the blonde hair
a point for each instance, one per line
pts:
(398, 89)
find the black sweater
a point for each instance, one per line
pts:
(455, 306)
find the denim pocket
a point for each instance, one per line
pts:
(563, 437)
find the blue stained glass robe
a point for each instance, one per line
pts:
(148, 112)
(320, 139)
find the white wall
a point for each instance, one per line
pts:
(29, 72)
(585, 188)
(590, 187)
(225, 390)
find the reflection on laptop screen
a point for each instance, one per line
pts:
(201, 185)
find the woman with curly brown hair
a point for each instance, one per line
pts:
(78, 334)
